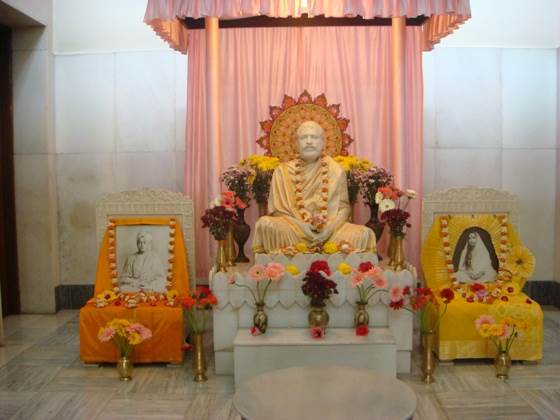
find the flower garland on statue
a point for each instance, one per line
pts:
(131, 300)
(317, 220)
(476, 292)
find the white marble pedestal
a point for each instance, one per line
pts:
(290, 347)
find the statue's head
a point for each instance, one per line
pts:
(310, 141)
(144, 242)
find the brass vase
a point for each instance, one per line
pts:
(428, 360)
(221, 260)
(502, 362)
(396, 252)
(263, 209)
(230, 246)
(125, 368)
(260, 319)
(199, 359)
(318, 317)
(362, 316)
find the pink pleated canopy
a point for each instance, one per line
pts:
(164, 15)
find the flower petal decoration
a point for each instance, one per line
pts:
(521, 262)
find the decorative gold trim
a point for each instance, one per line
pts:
(280, 130)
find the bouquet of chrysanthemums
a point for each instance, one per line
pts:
(239, 180)
(125, 334)
(370, 181)
(222, 212)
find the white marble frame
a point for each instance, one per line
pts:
(150, 202)
(468, 200)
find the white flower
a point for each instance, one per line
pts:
(411, 193)
(386, 204)
(216, 202)
(378, 197)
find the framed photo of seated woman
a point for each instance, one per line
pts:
(474, 258)
(142, 257)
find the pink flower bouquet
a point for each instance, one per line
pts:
(263, 276)
(125, 334)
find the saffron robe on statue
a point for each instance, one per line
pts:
(280, 229)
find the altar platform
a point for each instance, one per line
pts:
(287, 308)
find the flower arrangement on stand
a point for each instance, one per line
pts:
(502, 334)
(263, 276)
(239, 180)
(392, 208)
(353, 166)
(368, 280)
(196, 304)
(318, 288)
(125, 335)
(263, 167)
(219, 218)
(370, 181)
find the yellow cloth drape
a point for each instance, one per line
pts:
(166, 323)
(457, 335)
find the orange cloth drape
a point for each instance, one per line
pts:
(165, 322)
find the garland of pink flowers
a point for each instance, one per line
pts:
(502, 273)
(317, 220)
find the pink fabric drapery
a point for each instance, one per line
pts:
(444, 15)
(351, 65)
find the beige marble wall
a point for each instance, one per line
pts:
(34, 147)
(490, 120)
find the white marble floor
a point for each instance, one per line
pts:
(41, 377)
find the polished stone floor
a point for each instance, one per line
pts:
(41, 377)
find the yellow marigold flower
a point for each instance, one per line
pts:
(511, 289)
(301, 247)
(292, 269)
(344, 268)
(172, 294)
(521, 262)
(134, 338)
(484, 330)
(330, 248)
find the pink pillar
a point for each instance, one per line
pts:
(398, 114)
(213, 107)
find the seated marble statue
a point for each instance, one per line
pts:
(143, 269)
(308, 201)
(475, 265)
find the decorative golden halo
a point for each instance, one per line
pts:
(280, 129)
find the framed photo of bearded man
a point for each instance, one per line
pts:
(142, 254)
(474, 258)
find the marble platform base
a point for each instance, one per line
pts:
(290, 347)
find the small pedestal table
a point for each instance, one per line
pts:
(324, 392)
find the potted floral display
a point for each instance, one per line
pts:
(318, 288)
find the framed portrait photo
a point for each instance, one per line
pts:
(474, 257)
(142, 257)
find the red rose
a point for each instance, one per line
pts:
(529, 301)
(118, 303)
(365, 266)
(255, 331)
(406, 290)
(504, 298)
(362, 330)
(317, 332)
(320, 265)
(397, 305)
(447, 295)
(476, 287)
(186, 347)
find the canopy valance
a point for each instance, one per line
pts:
(165, 16)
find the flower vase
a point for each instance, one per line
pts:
(502, 362)
(241, 233)
(428, 361)
(373, 222)
(221, 260)
(318, 317)
(263, 208)
(396, 252)
(230, 246)
(125, 368)
(362, 316)
(199, 359)
(260, 319)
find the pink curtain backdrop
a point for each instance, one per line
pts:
(351, 65)
(445, 15)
